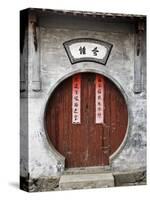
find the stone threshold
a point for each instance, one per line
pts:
(86, 181)
(87, 170)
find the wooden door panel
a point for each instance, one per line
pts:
(94, 130)
(87, 143)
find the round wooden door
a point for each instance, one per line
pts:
(89, 142)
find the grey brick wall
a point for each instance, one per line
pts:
(54, 64)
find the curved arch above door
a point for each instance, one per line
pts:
(87, 143)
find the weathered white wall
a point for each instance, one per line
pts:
(54, 64)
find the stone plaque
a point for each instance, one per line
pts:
(86, 49)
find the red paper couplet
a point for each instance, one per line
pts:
(76, 99)
(99, 89)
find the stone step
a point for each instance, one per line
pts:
(85, 181)
(87, 170)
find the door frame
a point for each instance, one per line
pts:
(105, 72)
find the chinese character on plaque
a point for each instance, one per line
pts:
(82, 50)
(95, 51)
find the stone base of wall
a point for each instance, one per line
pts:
(130, 178)
(39, 185)
(52, 183)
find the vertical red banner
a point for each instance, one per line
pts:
(99, 97)
(76, 99)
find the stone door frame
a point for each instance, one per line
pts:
(105, 72)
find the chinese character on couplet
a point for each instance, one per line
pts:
(76, 86)
(99, 90)
(98, 115)
(99, 103)
(99, 108)
(76, 104)
(76, 117)
(99, 80)
(99, 85)
(76, 98)
(82, 50)
(76, 92)
(76, 79)
(99, 97)
(75, 110)
(95, 51)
